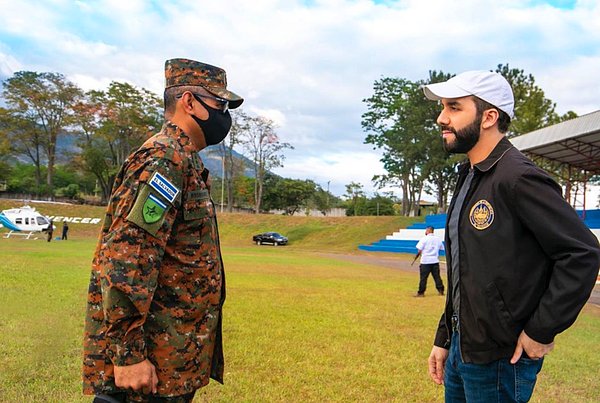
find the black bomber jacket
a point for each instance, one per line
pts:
(527, 261)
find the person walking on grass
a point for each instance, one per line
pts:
(429, 248)
(49, 231)
(156, 294)
(521, 263)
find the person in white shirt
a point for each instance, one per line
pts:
(429, 248)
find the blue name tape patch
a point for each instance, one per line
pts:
(164, 187)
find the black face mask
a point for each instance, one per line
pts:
(216, 127)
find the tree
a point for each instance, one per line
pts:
(394, 122)
(21, 136)
(233, 166)
(95, 155)
(323, 200)
(355, 196)
(5, 139)
(40, 105)
(379, 205)
(244, 191)
(532, 109)
(111, 124)
(259, 138)
(292, 194)
(129, 116)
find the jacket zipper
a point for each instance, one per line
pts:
(463, 208)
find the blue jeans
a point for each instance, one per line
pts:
(499, 381)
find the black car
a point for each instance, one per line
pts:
(270, 238)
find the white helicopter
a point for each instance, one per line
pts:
(23, 221)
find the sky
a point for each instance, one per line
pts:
(308, 64)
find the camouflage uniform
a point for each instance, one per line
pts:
(157, 286)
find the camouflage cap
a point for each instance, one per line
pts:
(190, 72)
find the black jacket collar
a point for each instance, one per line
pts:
(497, 153)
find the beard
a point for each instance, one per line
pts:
(465, 138)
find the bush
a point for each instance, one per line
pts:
(71, 191)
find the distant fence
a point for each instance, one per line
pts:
(25, 197)
(334, 212)
(28, 197)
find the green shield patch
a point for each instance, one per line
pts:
(153, 209)
(149, 210)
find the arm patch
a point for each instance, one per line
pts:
(149, 210)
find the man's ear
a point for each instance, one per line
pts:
(489, 118)
(187, 102)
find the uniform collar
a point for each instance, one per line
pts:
(497, 153)
(173, 131)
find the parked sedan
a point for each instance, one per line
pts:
(273, 238)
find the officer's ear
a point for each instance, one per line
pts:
(187, 101)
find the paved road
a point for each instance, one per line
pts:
(403, 262)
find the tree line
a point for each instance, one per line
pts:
(102, 128)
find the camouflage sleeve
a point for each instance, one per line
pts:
(145, 204)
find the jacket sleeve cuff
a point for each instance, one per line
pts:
(126, 353)
(442, 338)
(539, 335)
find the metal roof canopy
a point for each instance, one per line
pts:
(575, 142)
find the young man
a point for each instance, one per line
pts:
(429, 248)
(154, 314)
(521, 263)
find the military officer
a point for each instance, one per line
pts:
(154, 311)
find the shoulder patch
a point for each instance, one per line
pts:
(481, 215)
(148, 211)
(164, 187)
(154, 209)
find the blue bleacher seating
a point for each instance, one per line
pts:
(592, 218)
(437, 221)
(407, 246)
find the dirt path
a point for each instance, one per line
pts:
(403, 262)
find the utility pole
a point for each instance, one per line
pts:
(328, 208)
(222, 176)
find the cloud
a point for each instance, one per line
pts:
(309, 65)
(8, 65)
(339, 169)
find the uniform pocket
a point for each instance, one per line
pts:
(197, 205)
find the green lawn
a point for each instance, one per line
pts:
(298, 327)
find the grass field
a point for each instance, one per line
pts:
(298, 326)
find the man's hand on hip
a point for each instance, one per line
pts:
(139, 377)
(534, 350)
(437, 360)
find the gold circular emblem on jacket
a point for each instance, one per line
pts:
(481, 215)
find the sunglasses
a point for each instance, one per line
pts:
(222, 104)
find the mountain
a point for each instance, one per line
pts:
(212, 157)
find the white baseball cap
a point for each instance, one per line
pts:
(487, 85)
